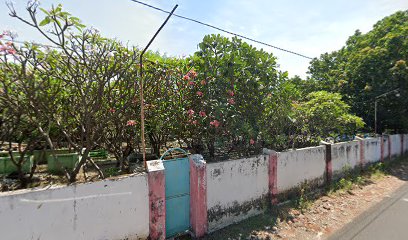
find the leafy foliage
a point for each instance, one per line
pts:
(369, 65)
(233, 80)
(326, 114)
(226, 99)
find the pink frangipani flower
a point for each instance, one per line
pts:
(186, 77)
(193, 73)
(11, 51)
(215, 123)
(190, 112)
(131, 123)
(7, 48)
(202, 114)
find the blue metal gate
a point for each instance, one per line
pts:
(177, 174)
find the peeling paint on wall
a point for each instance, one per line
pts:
(220, 216)
(293, 192)
(157, 200)
(235, 190)
(395, 145)
(198, 195)
(295, 169)
(298, 166)
(345, 155)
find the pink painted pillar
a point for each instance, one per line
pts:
(382, 148)
(157, 200)
(362, 156)
(389, 147)
(198, 195)
(329, 165)
(273, 176)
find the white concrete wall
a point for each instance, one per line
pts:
(395, 145)
(298, 166)
(109, 209)
(346, 154)
(372, 150)
(236, 189)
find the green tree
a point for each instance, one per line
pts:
(233, 79)
(367, 66)
(324, 114)
(278, 128)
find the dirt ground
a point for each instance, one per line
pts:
(325, 215)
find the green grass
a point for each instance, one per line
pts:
(111, 172)
(303, 202)
(244, 228)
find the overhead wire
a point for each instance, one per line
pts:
(223, 30)
(198, 22)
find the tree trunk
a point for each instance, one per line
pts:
(101, 175)
(75, 171)
(155, 142)
(211, 149)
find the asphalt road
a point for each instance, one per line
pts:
(387, 220)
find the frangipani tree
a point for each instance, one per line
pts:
(97, 76)
(230, 81)
(21, 93)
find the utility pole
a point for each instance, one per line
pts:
(142, 116)
(375, 116)
(376, 105)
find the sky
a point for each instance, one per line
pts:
(310, 27)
